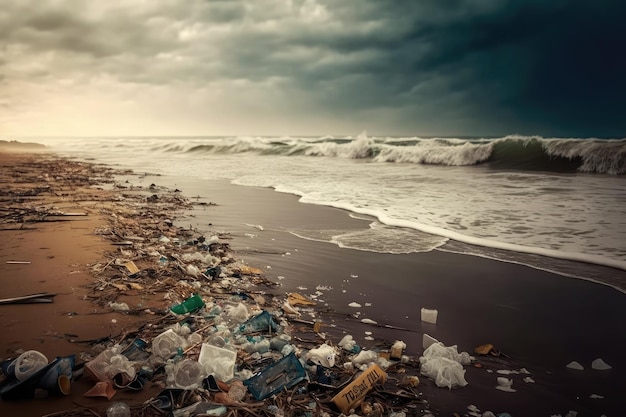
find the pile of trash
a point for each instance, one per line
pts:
(220, 343)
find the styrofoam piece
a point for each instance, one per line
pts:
(427, 341)
(429, 316)
(600, 365)
(575, 365)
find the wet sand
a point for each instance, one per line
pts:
(59, 252)
(540, 320)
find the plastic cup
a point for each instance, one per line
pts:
(191, 304)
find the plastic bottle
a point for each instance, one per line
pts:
(118, 409)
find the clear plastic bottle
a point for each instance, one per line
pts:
(118, 409)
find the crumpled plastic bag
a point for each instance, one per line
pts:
(323, 355)
(238, 313)
(348, 343)
(445, 365)
(439, 350)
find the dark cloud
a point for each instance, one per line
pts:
(458, 67)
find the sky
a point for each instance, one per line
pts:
(307, 67)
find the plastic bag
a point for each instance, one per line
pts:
(443, 364)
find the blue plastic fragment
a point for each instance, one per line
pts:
(259, 323)
(283, 374)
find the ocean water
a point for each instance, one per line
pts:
(553, 204)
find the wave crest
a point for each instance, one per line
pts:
(515, 152)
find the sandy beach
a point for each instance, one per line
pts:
(541, 321)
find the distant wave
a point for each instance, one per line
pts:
(514, 152)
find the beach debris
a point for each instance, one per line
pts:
(190, 305)
(18, 262)
(218, 361)
(397, 349)
(429, 315)
(486, 349)
(505, 384)
(131, 267)
(119, 306)
(428, 340)
(29, 299)
(348, 343)
(280, 375)
(295, 299)
(596, 397)
(474, 411)
(323, 355)
(29, 363)
(355, 392)
(600, 365)
(101, 389)
(575, 365)
(445, 365)
(118, 409)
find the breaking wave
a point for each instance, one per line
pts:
(513, 152)
(600, 156)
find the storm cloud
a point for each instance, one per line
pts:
(481, 67)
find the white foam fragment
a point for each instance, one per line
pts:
(354, 305)
(427, 341)
(528, 380)
(505, 384)
(596, 396)
(368, 321)
(399, 345)
(429, 316)
(575, 365)
(600, 365)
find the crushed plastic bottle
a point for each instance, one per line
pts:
(237, 390)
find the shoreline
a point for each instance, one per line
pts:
(325, 264)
